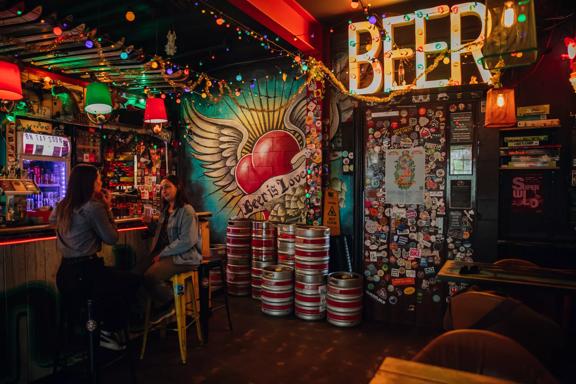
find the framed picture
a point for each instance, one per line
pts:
(461, 160)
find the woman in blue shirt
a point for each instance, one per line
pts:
(175, 247)
(83, 221)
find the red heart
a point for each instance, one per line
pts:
(272, 153)
(270, 157)
(246, 176)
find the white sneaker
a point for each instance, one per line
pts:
(108, 341)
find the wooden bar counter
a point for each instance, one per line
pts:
(29, 261)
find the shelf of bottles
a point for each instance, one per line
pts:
(88, 147)
(50, 177)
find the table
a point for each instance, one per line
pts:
(511, 275)
(539, 277)
(394, 371)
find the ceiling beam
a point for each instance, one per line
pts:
(289, 20)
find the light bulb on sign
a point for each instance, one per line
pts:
(509, 15)
(354, 3)
(500, 100)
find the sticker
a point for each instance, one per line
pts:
(436, 298)
(411, 273)
(403, 281)
(409, 291)
(393, 300)
(371, 226)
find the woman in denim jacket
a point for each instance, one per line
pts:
(175, 247)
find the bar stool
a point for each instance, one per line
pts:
(185, 303)
(206, 306)
(81, 314)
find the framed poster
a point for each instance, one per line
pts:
(461, 194)
(405, 176)
(461, 160)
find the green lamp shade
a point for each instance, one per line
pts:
(98, 99)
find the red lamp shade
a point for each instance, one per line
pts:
(10, 82)
(155, 111)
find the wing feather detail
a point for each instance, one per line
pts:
(217, 144)
(295, 118)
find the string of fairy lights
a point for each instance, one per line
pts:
(183, 79)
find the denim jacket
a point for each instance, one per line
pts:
(183, 235)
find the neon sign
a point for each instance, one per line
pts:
(384, 74)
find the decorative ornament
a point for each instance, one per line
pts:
(130, 16)
(170, 47)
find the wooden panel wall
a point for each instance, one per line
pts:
(28, 304)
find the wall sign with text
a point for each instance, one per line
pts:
(379, 58)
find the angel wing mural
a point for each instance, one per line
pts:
(252, 151)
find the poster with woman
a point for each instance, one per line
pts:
(404, 180)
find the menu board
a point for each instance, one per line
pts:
(462, 127)
(461, 194)
(45, 145)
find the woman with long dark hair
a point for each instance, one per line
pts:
(83, 221)
(175, 247)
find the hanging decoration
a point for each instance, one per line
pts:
(511, 37)
(500, 108)
(155, 112)
(170, 46)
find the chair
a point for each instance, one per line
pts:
(485, 353)
(515, 263)
(185, 303)
(507, 317)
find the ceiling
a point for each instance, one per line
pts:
(201, 44)
(328, 9)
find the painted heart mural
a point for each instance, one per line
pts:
(270, 157)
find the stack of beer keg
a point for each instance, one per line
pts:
(238, 236)
(312, 256)
(286, 244)
(277, 294)
(344, 299)
(263, 252)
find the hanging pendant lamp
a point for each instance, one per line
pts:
(98, 99)
(155, 111)
(10, 82)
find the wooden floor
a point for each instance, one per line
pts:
(264, 349)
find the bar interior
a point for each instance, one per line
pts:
(303, 191)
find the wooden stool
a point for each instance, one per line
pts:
(185, 304)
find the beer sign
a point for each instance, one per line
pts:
(381, 54)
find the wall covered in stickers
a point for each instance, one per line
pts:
(419, 203)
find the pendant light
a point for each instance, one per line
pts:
(98, 99)
(500, 108)
(155, 111)
(10, 82)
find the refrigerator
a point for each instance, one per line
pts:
(46, 160)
